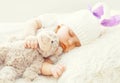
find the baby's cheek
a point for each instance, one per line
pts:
(71, 42)
(71, 47)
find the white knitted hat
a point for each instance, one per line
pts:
(84, 25)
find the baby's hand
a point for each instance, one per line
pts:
(31, 42)
(57, 70)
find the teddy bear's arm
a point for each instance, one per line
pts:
(4, 49)
(31, 26)
(33, 71)
(55, 57)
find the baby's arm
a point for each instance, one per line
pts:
(55, 70)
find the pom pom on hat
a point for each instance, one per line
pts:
(101, 10)
(112, 21)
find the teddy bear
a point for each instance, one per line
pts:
(18, 61)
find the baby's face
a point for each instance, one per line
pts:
(68, 39)
(47, 40)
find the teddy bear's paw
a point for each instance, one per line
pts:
(6, 81)
(22, 80)
(7, 73)
(29, 75)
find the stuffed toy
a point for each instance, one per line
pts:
(18, 61)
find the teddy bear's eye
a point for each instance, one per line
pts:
(52, 41)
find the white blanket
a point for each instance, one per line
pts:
(98, 62)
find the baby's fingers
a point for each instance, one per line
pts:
(27, 44)
(55, 74)
(58, 70)
(61, 67)
(34, 44)
(31, 42)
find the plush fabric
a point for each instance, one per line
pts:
(98, 62)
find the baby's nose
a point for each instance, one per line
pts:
(70, 42)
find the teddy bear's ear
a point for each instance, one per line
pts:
(58, 27)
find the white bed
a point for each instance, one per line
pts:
(98, 62)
